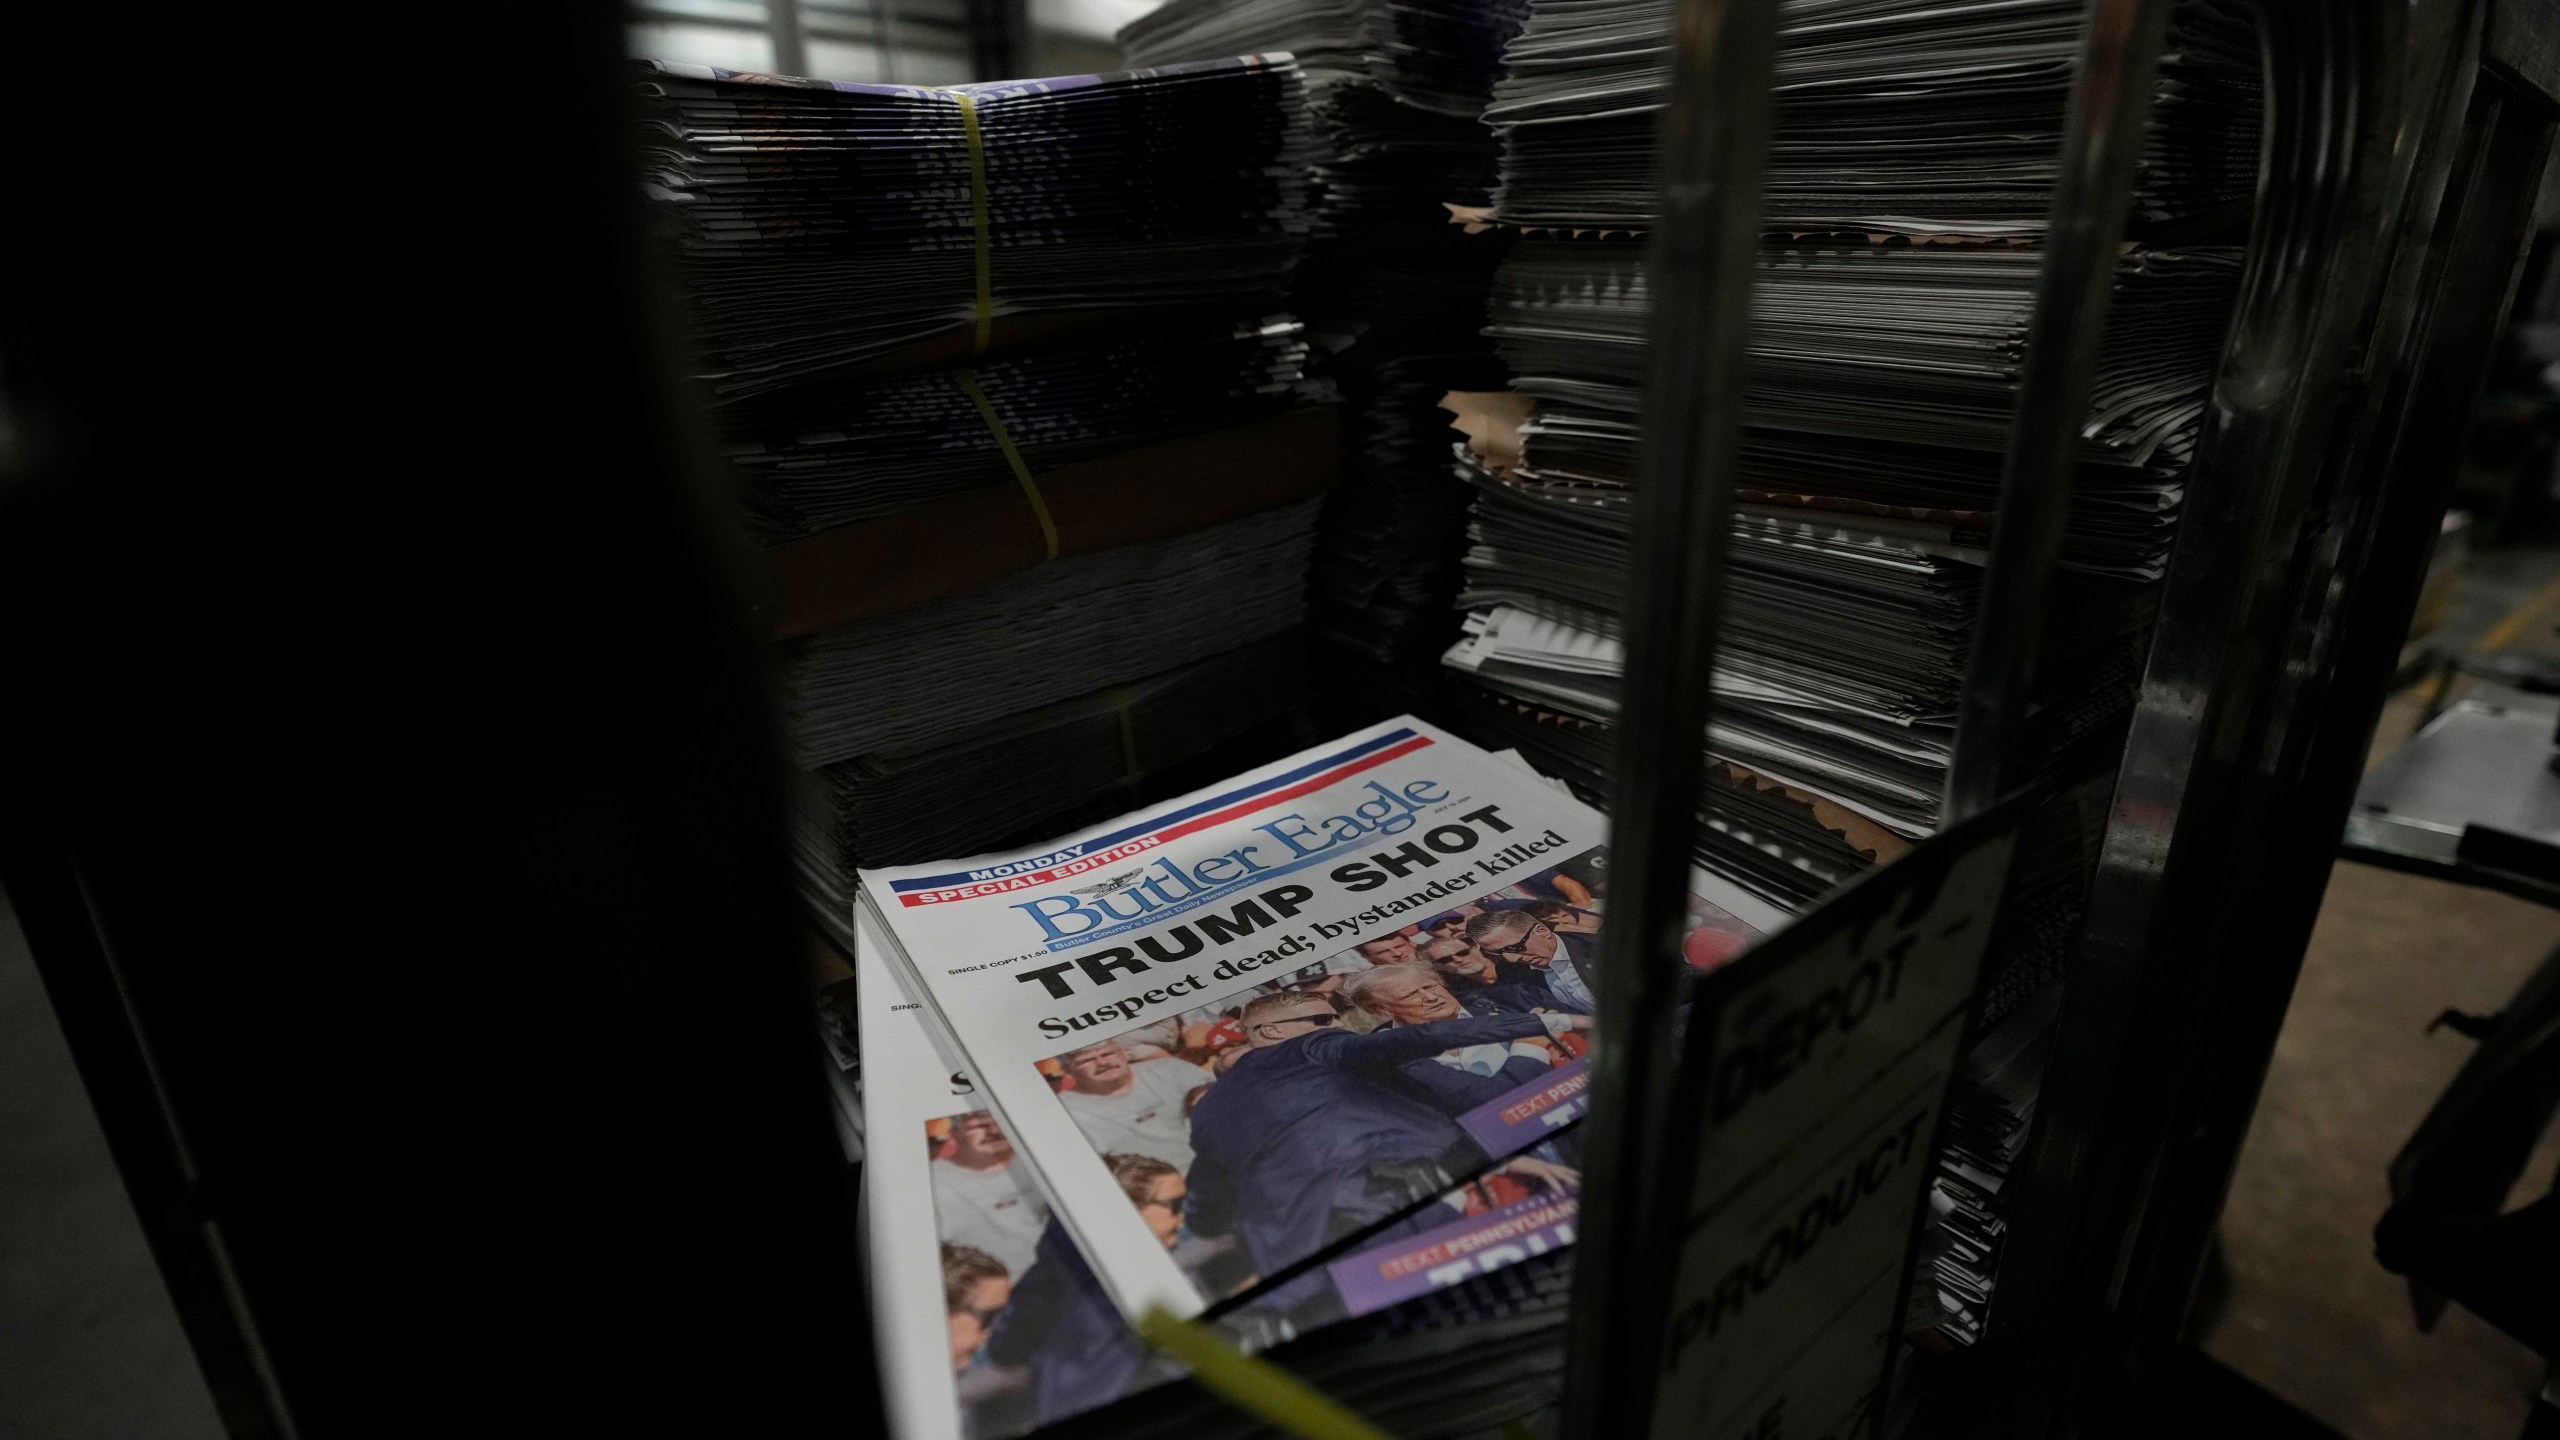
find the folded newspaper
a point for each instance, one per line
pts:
(1255, 1042)
(992, 1324)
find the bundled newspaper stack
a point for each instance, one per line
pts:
(1848, 616)
(824, 455)
(1395, 89)
(1397, 337)
(1912, 168)
(1110, 667)
(1895, 117)
(905, 294)
(1882, 385)
(1393, 294)
(824, 226)
(1987, 1119)
(1299, 1054)
(935, 324)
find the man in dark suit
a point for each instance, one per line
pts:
(1061, 1324)
(1461, 1079)
(1522, 947)
(1479, 988)
(1317, 1132)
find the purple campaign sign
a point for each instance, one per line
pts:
(1531, 1113)
(1392, 1273)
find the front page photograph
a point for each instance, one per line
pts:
(1271, 1026)
(991, 1322)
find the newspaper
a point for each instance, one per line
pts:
(990, 1321)
(1312, 1000)
(956, 1233)
(830, 230)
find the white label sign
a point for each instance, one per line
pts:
(1825, 1068)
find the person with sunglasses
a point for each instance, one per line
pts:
(1479, 987)
(1157, 1189)
(1523, 947)
(1062, 1326)
(975, 1287)
(1414, 995)
(1317, 1132)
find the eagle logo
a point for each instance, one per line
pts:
(1111, 886)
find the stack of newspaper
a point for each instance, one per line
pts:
(1987, 1118)
(817, 456)
(1939, 118)
(902, 295)
(1394, 87)
(896, 803)
(1300, 1055)
(1848, 618)
(1883, 379)
(1994, 1098)
(914, 308)
(968, 720)
(1912, 169)
(1393, 295)
(824, 225)
(1398, 338)
(924, 675)
(1882, 385)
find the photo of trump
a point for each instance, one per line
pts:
(1302, 1113)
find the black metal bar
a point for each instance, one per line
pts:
(434, 829)
(2350, 630)
(999, 37)
(2119, 58)
(790, 42)
(116, 1075)
(2524, 48)
(1705, 253)
(884, 15)
(2233, 786)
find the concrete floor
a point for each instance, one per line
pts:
(2310, 1315)
(90, 1349)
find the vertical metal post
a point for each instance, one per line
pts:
(999, 37)
(2274, 632)
(2119, 59)
(790, 41)
(885, 15)
(1714, 147)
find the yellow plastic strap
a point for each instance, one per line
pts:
(1130, 774)
(978, 222)
(1256, 1386)
(967, 383)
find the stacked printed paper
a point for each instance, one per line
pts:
(1943, 118)
(991, 1327)
(1913, 165)
(1883, 379)
(1301, 1053)
(1392, 293)
(823, 455)
(897, 804)
(1397, 338)
(913, 306)
(1050, 633)
(965, 721)
(824, 225)
(1395, 89)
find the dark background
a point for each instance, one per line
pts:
(381, 735)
